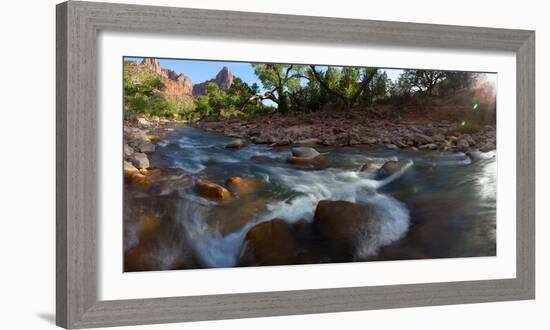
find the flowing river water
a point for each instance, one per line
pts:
(439, 205)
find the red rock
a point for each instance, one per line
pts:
(243, 186)
(212, 190)
(269, 243)
(340, 220)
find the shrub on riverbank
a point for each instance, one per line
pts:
(143, 96)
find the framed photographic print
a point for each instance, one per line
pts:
(215, 165)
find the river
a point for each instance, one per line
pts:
(440, 204)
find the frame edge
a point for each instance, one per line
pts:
(61, 290)
(76, 304)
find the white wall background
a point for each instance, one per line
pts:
(27, 163)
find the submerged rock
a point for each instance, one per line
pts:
(136, 176)
(262, 159)
(243, 186)
(305, 152)
(211, 190)
(129, 169)
(238, 143)
(140, 179)
(154, 138)
(315, 162)
(368, 168)
(268, 243)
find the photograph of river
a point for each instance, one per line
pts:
(233, 164)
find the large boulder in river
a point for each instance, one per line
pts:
(390, 167)
(269, 243)
(211, 190)
(340, 221)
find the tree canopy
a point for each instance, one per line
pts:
(295, 88)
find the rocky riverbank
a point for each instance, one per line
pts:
(355, 128)
(140, 138)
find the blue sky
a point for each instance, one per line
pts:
(200, 70)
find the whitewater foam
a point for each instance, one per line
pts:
(390, 221)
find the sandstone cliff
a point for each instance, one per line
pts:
(179, 87)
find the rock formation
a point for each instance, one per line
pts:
(224, 80)
(153, 63)
(178, 87)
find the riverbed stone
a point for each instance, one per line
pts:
(429, 146)
(140, 160)
(129, 169)
(237, 143)
(140, 179)
(243, 185)
(391, 167)
(340, 220)
(314, 162)
(309, 141)
(211, 190)
(422, 138)
(269, 243)
(462, 145)
(304, 152)
(142, 122)
(135, 175)
(368, 167)
(128, 151)
(489, 146)
(146, 147)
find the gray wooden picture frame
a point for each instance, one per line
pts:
(78, 24)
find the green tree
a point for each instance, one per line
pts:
(347, 84)
(279, 80)
(142, 95)
(421, 81)
(456, 81)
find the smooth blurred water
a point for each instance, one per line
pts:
(440, 204)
